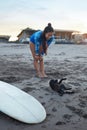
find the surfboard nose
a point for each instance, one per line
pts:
(20, 105)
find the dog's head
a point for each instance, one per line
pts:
(52, 83)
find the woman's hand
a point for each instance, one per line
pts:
(41, 58)
(36, 57)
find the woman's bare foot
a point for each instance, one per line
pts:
(43, 75)
(39, 75)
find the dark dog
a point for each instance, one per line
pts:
(59, 87)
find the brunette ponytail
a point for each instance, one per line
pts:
(47, 29)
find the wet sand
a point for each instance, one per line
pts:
(67, 112)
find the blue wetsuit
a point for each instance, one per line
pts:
(37, 40)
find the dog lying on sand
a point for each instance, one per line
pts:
(60, 87)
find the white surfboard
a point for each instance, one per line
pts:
(20, 105)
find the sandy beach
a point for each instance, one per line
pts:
(67, 112)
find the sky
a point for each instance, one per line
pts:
(16, 15)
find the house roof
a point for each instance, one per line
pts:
(4, 37)
(27, 30)
(30, 31)
(61, 30)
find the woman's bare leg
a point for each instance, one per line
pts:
(37, 67)
(36, 61)
(42, 68)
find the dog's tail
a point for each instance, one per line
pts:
(62, 80)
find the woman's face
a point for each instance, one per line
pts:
(48, 35)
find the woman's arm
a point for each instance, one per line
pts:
(50, 40)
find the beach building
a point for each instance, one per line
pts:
(84, 35)
(65, 36)
(24, 35)
(80, 38)
(4, 38)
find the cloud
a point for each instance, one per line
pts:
(42, 8)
